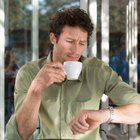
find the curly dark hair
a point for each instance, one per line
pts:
(70, 17)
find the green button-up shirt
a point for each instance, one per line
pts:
(61, 101)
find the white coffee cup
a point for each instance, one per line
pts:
(72, 69)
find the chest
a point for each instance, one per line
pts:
(74, 94)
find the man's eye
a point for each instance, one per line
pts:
(82, 44)
(69, 41)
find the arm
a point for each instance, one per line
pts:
(27, 114)
(91, 119)
(120, 93)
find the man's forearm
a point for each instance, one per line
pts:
(27, 115)
(87, 120)
(128, 114)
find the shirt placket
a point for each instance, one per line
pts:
(63, 133)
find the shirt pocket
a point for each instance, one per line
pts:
(78, 106)
(81, 105)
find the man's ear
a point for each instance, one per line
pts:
(52, 38)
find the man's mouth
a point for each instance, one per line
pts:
(73, 57)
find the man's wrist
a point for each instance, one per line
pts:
(36, 89)
(112, 114)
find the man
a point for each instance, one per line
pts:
(69, 109)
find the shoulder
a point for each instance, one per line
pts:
(94, 67)
(27, 73)
(32, 67)
(94, 63)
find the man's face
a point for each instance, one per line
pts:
(70, 45)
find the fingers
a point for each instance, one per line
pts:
(51, 73)
(84, 121)
(55, 70)
(56, 65)
(79, 124)
(55, 77)
(78, 128)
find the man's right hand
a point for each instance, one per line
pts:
(50, 73)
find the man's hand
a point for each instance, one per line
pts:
(88, 120)
(50, 73)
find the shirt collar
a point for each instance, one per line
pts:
(81, 76)
(49, 58)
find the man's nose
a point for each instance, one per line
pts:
(74, 47)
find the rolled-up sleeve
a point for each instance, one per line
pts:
(11, 129)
